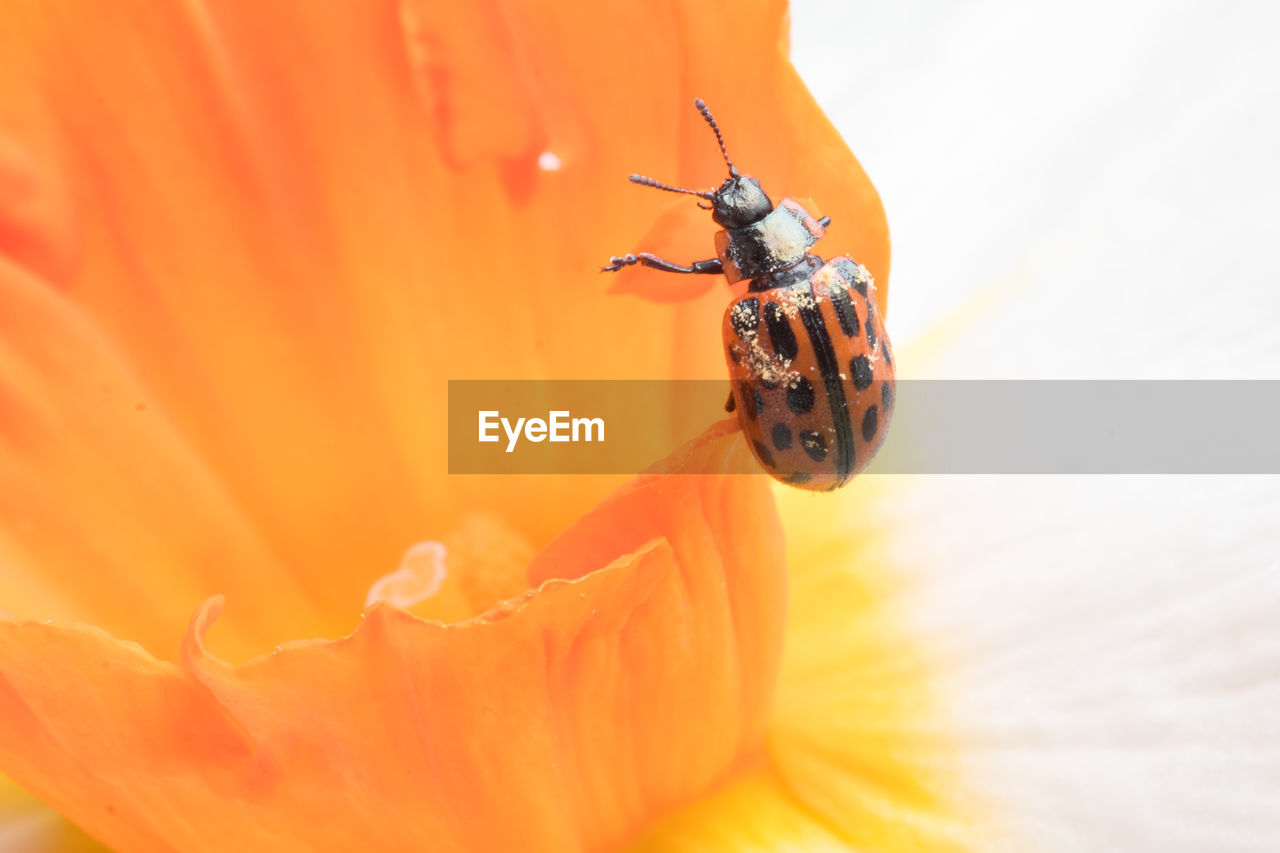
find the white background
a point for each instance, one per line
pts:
(1084, 190)
(1108, 172)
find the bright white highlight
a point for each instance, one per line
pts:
(422, 571)
(549, 162)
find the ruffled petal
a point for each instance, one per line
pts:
(290, 226)
(261, 257)
(577, 712)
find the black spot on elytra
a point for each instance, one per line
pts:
(800, 395)
(888, 359)
(763, 454)
(781, 436)
(870, 421)
(781, 335)
(748, 395)
(814, 444)
(798, 477)
(758, 398)
(745, 317)
(886, 394)
(860, 367)
(871, 326)
(845, 312)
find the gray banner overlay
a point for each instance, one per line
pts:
(939, 427)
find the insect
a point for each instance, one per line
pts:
(811, 375)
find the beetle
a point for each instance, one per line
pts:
(810, 367)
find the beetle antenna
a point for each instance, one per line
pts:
(706, 113)
(658, 185)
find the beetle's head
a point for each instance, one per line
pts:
(738, 202)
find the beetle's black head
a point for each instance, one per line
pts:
(740, 200)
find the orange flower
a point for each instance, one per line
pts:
(244, 248)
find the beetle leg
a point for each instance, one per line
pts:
(825, 222)
(707, 267)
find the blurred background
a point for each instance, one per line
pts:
(1106, 173)
(1084, 191)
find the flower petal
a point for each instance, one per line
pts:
(754, 814)
(109, 509)
(291, 224)
(861, 748)
(28, 825)
(859, 735)
(579, 711)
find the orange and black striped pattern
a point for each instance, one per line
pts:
(812, 374)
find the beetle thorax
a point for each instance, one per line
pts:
(779, 240)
